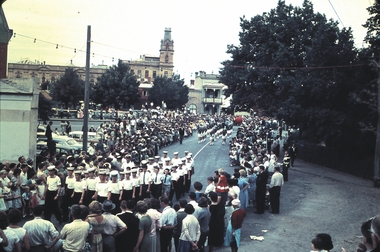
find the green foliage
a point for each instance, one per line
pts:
(373, 27)
(44, 107)
(172, 91)
(293, 64)
(118, 87)
(68, 89)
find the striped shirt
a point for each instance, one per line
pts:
(40, 231)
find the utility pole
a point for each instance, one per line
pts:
(376, 166)
(86, 90)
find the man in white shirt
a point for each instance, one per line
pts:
(276, 182)
(76, 232)
(145, 181)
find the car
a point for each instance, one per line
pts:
(78, 136)
(60, 149)
(67, 141)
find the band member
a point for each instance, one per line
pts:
(77, 196)
(156, 186)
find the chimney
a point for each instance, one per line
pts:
(5, 36)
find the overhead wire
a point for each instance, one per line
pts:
(336, 13)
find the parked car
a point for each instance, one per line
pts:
(60, 149)
(78, 136)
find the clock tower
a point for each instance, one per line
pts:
(167, 50)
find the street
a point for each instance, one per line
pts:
(314, 200)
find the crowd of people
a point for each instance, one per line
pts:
(121, 195)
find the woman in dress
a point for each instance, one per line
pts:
(252, 177)
(144, 241)
(233, 232)
(97, 222)
(243, 185)
(216, 224)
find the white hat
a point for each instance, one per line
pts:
(175, 153)
(91, 170)
(236, 202)
(51, 167)
(114, 173)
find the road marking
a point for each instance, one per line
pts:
(201, 150)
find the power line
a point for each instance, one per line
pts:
(74, 49)
(336, 13)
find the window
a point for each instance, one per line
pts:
(154, 74)
(146, 73)
(193, 108)
(139, 73)
(166, 74)
(145, 93)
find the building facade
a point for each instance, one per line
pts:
(146, 69)
(206, 94)
(18, 118)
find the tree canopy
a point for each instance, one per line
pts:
(69, 88)
(44, 107)
(118, 87)
(172, 91)
(297, 66)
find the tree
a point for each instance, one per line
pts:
(172, 91)
(69, 88)
(373, 39)
(44, 107)
(118, 86)
(294, 64)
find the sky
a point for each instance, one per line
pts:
(55, 31)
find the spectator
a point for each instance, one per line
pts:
(127, 240)
(42, 233)
(76, 232)
(13, 239)
(15, 217)
(97, 222)
(113, 226)
(204, 220)
(168, 222)
(190, 233)
(322, 242)
(233, 232)
(181, 214)
(145, 240)
(216, 224)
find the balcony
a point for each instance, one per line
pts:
(216, 101)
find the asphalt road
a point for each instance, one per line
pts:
(314, 200)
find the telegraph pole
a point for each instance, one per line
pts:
(86, 90)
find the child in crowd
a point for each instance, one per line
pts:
(26, 201)
(197, 187)
(40, 191)
(3, 206)
(16, 196)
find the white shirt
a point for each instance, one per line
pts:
(114, 188)
(53, 183)
(102, 189)
(145, 178)
(128, 184)
(70, 182)
(156, 178)
(276, 180)
(91, 184)
(79, 186)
